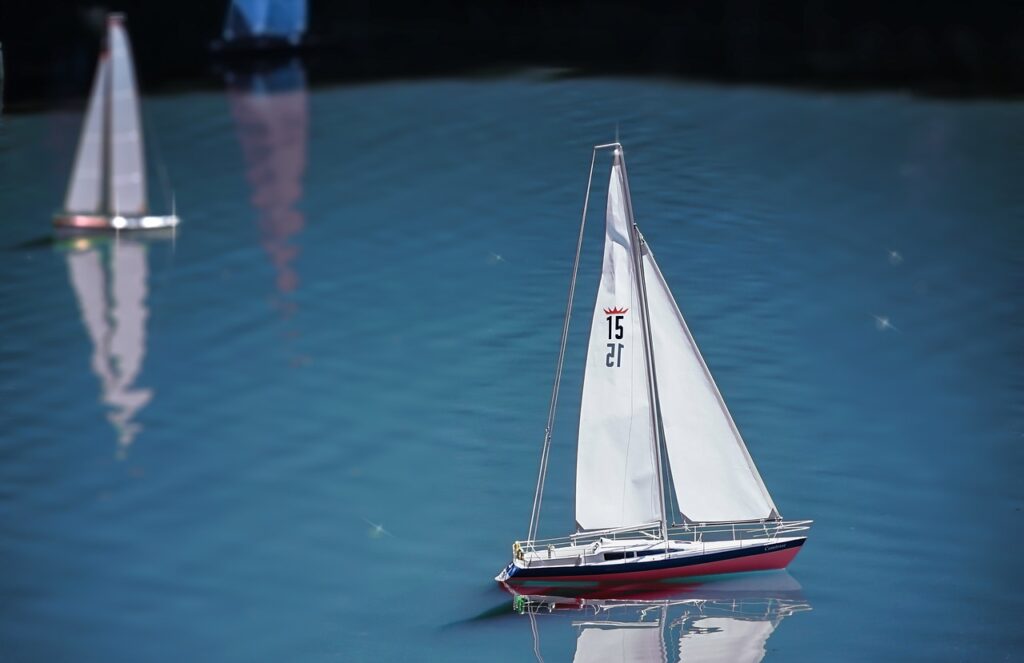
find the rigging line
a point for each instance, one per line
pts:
(538, 496)
(648, 344)
(536, 636)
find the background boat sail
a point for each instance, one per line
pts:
(665, 485)
(107, 190)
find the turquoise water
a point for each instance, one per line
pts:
(307, 427)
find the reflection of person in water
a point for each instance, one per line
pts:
(270, 109)
(110, 285)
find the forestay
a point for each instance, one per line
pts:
(127, 168)
(85, 191)
(714, 477)
(616, 475)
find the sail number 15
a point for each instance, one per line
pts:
(615, 331)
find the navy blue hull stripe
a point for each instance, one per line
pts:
(514, 572)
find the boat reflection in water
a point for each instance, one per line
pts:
(727, 620)
(109, 277)
(269, 103)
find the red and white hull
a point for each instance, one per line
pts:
(653, 563)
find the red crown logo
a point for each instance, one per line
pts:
(615, 311)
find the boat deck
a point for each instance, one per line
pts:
(634, 553)
(607, 552)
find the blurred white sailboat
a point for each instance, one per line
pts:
(107, 190)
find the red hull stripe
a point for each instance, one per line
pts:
(753, 561)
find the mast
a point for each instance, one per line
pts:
(648, 346)
(645, 323)
(107, 202)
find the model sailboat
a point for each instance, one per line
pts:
(108, 182)
(665, 486)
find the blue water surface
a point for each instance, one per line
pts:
(307, 427)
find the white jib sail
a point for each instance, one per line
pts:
(616, 475)
(127, 168)
(714, 477)
(85, 191)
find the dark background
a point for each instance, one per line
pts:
(947, 49)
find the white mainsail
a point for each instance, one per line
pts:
(715, 479)
(616, 464)
(127, 168)
(639, 642)
(85, 191)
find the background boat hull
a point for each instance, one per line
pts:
(116, 222)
